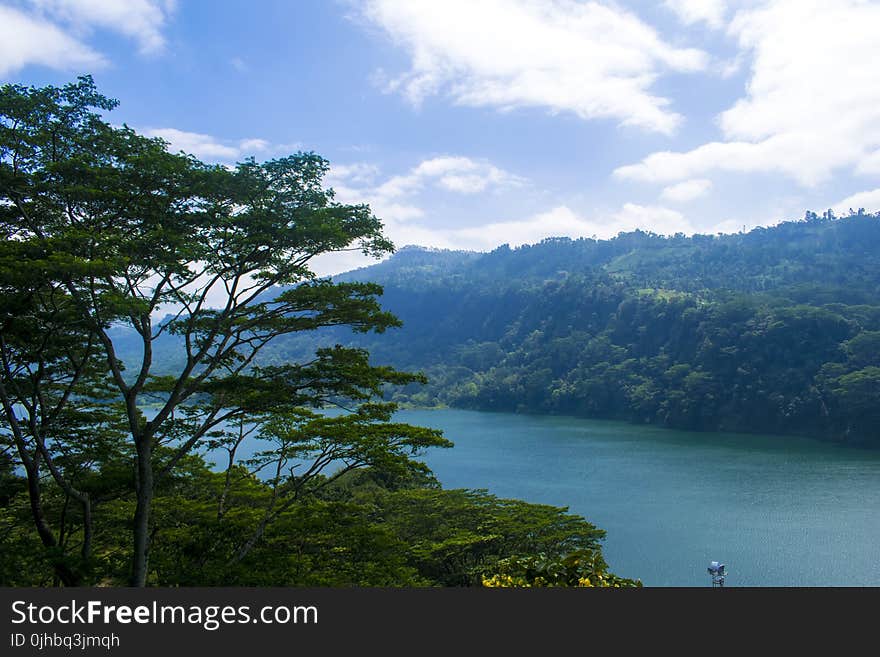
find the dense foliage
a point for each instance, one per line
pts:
(776, 330)
(367, 528)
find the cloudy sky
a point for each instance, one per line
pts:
(474, 123)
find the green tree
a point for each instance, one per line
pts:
(453, 536)
(105, 228)
(857, 396)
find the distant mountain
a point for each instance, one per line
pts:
(776, 330)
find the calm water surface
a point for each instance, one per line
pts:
(779, 511)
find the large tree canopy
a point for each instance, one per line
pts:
(104, 228)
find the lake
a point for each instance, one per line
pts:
(778, 511)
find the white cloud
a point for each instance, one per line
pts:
(53, 33)
(688, 190)
(869, 201)
(208, 147)
(357, 173)
(561, 221)
(869, 164)
(396, 212)
(141, 20)
(26, 40)
(592, 59)
(395, 199)
(694, 11)
(464, 175)
(399, 186)
(788, 153)
(253, 145)
(652, 218)
(812, 105)
(359, 183)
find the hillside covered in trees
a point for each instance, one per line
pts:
(776, 330)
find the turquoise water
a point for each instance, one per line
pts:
(778, 511)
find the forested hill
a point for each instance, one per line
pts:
(776, 330)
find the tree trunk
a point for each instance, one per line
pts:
(87, 529)
(144, 485)
(62, 570)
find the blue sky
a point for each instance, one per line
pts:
(469, 124)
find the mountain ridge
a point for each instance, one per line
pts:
(753, 331)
